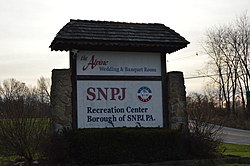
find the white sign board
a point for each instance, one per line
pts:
(102, 104)
(118, 63)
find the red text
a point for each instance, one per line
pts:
(106, 93)
(93, 62)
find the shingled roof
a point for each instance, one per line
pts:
(104, 35)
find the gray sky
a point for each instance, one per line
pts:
(27, 27)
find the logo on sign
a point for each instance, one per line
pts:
(144, 94)
(93, 62)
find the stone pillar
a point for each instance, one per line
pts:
(61, 99)
(176, 98)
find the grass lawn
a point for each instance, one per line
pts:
(236, 164)
(227, 149)
(235, 150)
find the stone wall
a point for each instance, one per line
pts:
(61, 99)
(176, 99)
(62, 106)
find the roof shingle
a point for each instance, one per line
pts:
(104, 35)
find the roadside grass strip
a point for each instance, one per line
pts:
(235, 149)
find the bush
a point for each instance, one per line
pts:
(21, 133)
(205, 133)
(121, 145)
(24, 120)
(203, 146)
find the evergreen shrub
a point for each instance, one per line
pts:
(118, 145)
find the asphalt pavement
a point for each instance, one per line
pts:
(235, 136)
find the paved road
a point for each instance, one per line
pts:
(236, 136)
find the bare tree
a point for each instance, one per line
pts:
(13, 89)
(228, 50)
(43, 89)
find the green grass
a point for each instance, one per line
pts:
(235, 150)
(6, 159)
(236, 164)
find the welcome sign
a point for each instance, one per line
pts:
(118, 72)
(124, 100)
(119, 103)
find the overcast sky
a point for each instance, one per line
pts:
(27, 27)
